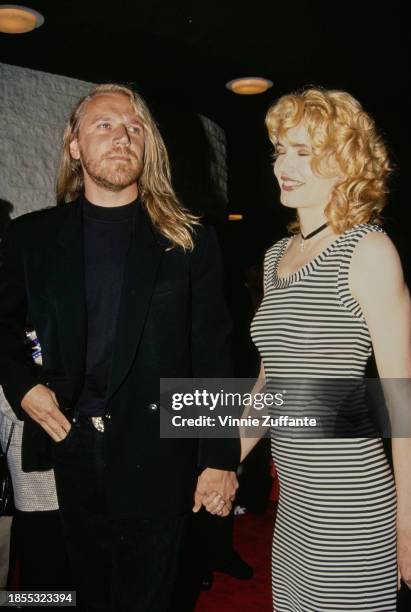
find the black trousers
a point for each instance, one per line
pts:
(120, 565)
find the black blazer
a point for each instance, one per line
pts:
(172, 323)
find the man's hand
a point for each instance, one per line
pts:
(216, 491)
(40, 403)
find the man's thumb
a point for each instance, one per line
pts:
(197, 502)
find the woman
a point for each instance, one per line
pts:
(332, 291)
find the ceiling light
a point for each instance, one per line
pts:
(16, 19)
(247, 86)
(235, 217)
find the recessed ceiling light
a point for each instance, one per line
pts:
(15, 19)
(247, 86)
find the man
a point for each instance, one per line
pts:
(123, 286)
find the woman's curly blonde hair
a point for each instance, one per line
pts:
(340, 131)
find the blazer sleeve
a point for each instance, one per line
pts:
(17, 371)
(210, 338)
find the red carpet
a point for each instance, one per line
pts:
(252, 539)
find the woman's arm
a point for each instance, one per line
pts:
(377, 283)
(247, 444)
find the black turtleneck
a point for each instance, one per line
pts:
(107, 233)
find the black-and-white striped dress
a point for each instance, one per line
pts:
(334, 545)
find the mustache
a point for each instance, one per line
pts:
(123, 152)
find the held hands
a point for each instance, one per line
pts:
(40, 403)
(215, 491)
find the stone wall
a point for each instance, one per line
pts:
(34, 108)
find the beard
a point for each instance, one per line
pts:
(113, 175)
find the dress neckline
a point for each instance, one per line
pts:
(285, 281)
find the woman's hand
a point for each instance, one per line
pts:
(215, 504)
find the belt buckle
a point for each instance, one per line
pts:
(98, 423)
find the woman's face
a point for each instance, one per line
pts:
(300, 187)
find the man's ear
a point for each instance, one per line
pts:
(74, 149)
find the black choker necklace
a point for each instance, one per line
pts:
(311, 234)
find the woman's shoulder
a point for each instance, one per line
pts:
(357, 232)
(362, 236)
(374, 256)
(376, 272)
(373, 244)
(368, 235)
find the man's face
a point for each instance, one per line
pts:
(110, 142)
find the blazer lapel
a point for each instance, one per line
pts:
(68, 290)
(140, 273)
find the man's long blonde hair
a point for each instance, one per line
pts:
(167, 214)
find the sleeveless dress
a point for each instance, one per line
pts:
(334, 544)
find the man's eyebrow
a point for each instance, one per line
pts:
(97, 118)
(100, 118)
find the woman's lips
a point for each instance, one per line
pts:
(289, 184)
